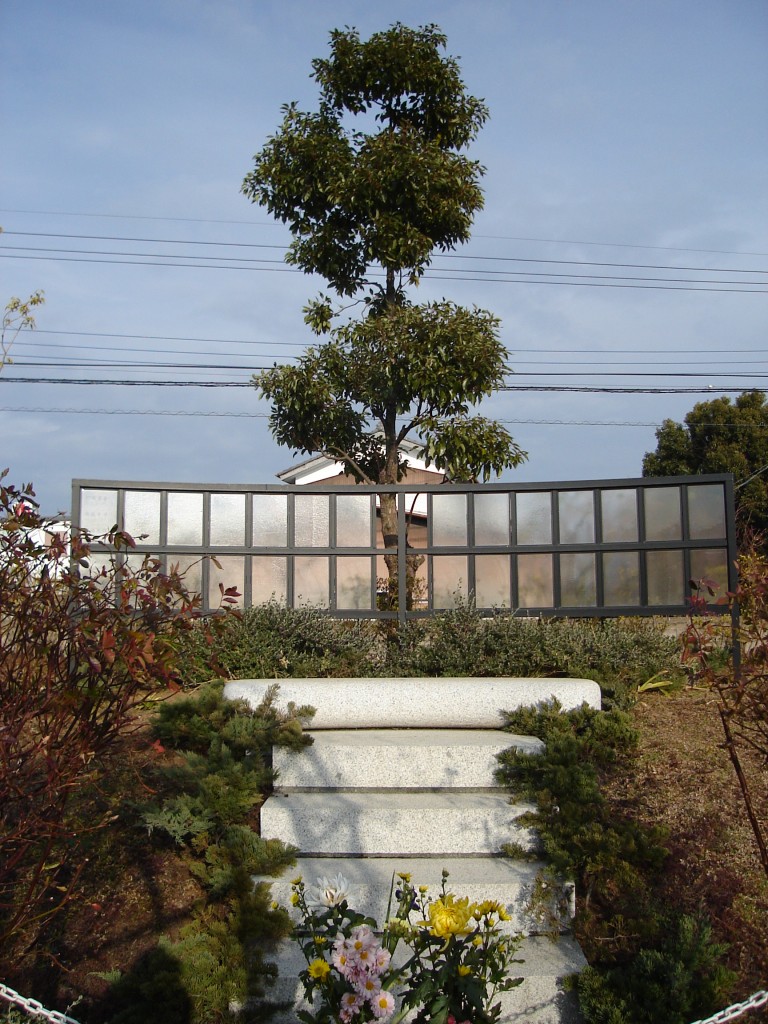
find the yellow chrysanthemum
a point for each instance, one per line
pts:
(296, 880)
(319, 969)
(464, 970)
(294, 898)
(449, 916)
(405, 875)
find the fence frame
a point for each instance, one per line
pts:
(642, 485)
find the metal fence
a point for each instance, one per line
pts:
(580, 548)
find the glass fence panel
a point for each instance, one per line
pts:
(142, 516)
(711, 564)
(664, 570)
(270, 520)
(578, 585)
(662, 513)
(269, 579)
(492, 581)
(353, 582)
(577, 517)
(311, 580)
(98, 510)
(231, 574)
(618, 509)
(312, 522)
(492, 519)
(185, 517)
(451, 534)
(449, 520)
(621, 578)
(415, 508)
(227, 520)
(449, 580)
(706, 511)
(353, 521)
(534, 581)
(534, 517)
(191, 568)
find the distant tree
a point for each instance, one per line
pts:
(721, 436)
(371, 184)
(17, 317)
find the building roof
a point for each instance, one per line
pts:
(320, 467)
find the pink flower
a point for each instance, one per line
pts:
(383, 1005)
(368, 986)
(350, 1004)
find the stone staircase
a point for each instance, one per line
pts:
(400, 779)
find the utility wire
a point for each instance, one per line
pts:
(433, 265)
(301, 344)
(264, 416)
(603, 389)
(598, 283)
(444, 256)
(272, 223)
(26, 344)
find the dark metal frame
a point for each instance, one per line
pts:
(642, 485)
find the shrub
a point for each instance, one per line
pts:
(213, 789)
(619, 654)
(82, 641)
(646, 965)
(272, 642)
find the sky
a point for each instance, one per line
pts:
(623, 242)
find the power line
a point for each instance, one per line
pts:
(598, 283)
(603, 389)
(299, 344)
(202, 341)
(196, 413)
(446, 256)
(26, 344)
(271, 223)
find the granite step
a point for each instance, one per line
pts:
(543, 998)
(339, 824)
(370, 883)
(402, 759)
(444, 703)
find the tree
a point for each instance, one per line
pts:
(721, 436)
(16, 318)
(371, 185)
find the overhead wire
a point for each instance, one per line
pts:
(586, 389)
(272, 223)
(441, 256)
(600, 281)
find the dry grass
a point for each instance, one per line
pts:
(683, 778)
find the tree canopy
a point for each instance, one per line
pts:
(410, 368)
(371, 184)
(375, 176)
(721, 436)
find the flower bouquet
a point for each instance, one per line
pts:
(454, 958)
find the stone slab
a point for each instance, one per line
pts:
(541, 999)
(394, 823)
(370, 882)
(429, 703)
(400, 759)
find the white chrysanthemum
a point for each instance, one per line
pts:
(329, 892)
